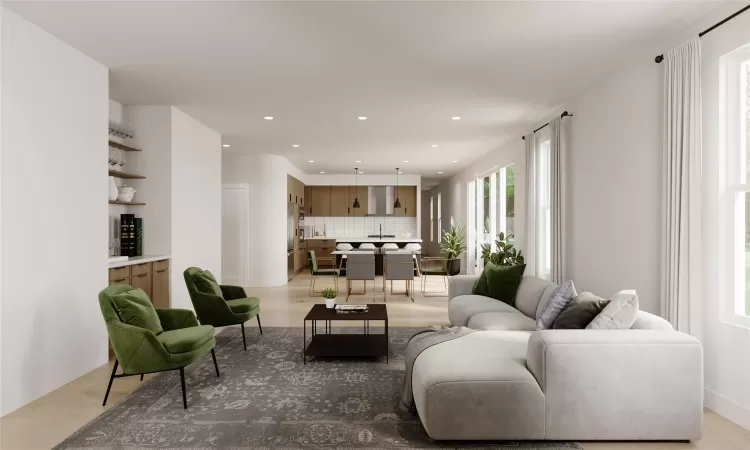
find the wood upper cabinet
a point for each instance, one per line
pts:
(307, 197)
(320, 201)
(361, 193)
(295, 190)
(340, 204)
(289, 188)
(407, 195)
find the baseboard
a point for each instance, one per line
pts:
(727, 408)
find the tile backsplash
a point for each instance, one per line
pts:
(345, 227)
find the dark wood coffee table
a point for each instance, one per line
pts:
(345, 345)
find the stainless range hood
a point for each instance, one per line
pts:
(380, 201)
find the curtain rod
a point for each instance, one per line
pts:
(660, 58)
(564, 114)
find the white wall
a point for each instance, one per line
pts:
(54, 220)
(267, 177)
(727, 346)
(196, 202)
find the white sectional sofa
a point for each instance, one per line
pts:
(510, 382)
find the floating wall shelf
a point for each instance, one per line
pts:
(126, 175)
(117, 202)
(123, 147)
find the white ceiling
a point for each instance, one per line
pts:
(316, 66)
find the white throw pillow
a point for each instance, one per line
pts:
(619, 314)
(558, 301)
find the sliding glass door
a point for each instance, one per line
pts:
(491, 211)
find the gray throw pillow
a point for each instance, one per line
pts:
(557, 303)
(580, 312)
(619, 314)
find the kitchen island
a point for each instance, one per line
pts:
(326, 245)
(374, 240)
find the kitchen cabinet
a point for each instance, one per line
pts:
(152, 277)
(307, 197)
(320, 201)
(160, 284)
(340, 204)
(361, 193)
(142, 281)
(407, 195)
(295, 190)
(323, 249)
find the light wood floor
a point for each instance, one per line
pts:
(50, 419)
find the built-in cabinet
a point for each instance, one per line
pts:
(337, 201)
(295, 190)
(152, 277)
(296, 193)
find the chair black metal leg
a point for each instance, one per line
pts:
(111, 379)
(141, 377)
(243, 335)
(182, 381)
(213, 355)
(259, 327)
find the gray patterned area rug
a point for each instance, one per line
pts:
(267, 399)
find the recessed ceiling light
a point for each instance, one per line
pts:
(357, 161)
(434, 145)
(225, 145)
(295, 145)
(455, 118)
(362, 118)
(454, 161)
(268, 118)
(439, 173)
(322, 172)
(311, 161)
(406, 161)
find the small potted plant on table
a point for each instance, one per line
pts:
(330, 295)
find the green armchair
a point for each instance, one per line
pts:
(167, 339)
(220, 305)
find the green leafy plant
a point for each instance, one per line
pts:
(506, 254)
(454, 242)
(329, 293)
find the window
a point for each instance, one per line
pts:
(735, 143)
(440, 216)
(491, 211)
(432, 219)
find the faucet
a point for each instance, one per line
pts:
(381, 231)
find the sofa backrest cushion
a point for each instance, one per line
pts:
(619, 314)
(544, 301)
(530, 293)
(648, 321)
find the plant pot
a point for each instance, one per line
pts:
(330, 303)
(454, 267)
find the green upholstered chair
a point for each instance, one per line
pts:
(220, 305)
(139, 350)
(317, 271)
(435, 266)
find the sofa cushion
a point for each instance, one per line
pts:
(478, 387)
(186, 339)
(463, 307)
(648, 321)
(206, 283)
(529, 293)
(544, 301)
(135, 308)
(243, 305)
(619, 314)
(508, 321)
(499, 282)
(559, 301)
(580, 312)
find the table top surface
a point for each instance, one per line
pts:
(320, 312)
(370, 252)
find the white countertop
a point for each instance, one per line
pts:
(366, 239)
(137, 260)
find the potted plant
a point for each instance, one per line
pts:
(506, 254)
(453, 244)
(330, 295)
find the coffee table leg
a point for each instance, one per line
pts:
(387, 351)
(304, 341)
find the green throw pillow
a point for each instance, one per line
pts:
(206, 283)
(500, 283)
(135, 308)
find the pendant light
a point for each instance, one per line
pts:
(356, 186)
(397, 203)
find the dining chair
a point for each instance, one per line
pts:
(399, 266)
(360, 267)
(435, 266)
(316, 271)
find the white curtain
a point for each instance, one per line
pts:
(557, 201)
(531, 206)
(681, 187)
